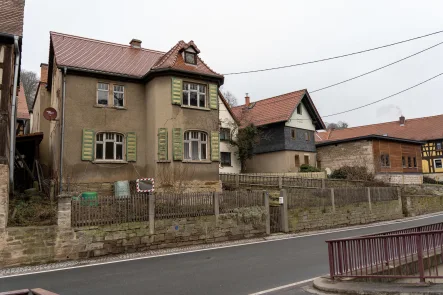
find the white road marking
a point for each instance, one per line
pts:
(283, 287)
(266, 240)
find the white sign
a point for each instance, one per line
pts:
(280, 200)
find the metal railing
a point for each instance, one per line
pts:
(406, 253)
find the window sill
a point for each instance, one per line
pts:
(100, 106)
(195, 108)
(196, 162)
(110, 162)
(163, 161)
(226, 166)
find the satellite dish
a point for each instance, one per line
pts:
(50, 114)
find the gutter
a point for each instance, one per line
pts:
(62, 131)
(14, 115)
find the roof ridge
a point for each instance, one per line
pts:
(103, 42)
(261, 100)
(166, 55)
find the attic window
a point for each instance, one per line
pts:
(299, 109)
(190, 58)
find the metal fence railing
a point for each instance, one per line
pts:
(406, 253)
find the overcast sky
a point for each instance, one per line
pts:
(247, 35)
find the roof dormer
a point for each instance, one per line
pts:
(190, 52)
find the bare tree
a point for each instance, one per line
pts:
(230, 98)
(338, 125)
(30, 81)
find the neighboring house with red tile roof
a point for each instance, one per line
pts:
(11, 30)
(427, 130)
(23, 117)
(146, 112)
(288, 123)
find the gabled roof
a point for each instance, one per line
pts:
(83, 54)
(421, 129)
(11, 17)
(227, 106)
(22, 105)
(277, 109)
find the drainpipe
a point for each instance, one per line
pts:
(13, 115)
(63, 129)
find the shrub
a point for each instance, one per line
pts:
(352, 173)
(308, 168)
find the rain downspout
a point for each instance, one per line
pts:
(63, 130)
(13, 116)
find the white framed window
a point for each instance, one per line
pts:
(119, 95)
(102, 93)
(438, 163)
(225, 134)
(194, 95)
(109, 146)
(438, 146)
(195, 145)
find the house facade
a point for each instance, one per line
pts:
(229, 162)
(427, 130)
(394, 160)
(11, 32)
(125, 112)
(287, 125)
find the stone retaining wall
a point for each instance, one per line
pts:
(422, 199)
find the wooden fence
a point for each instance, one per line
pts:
(112, 210)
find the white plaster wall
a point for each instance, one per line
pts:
(302, 121)
(227, 121)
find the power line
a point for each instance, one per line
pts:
(374, 102)
(377, 69)
(335, 57)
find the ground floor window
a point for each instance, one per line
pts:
(225, 159)
(109, 146)
(385, 162)
(415, 162)
(195, 145)
(438, 163)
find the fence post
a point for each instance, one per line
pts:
(268, 216)
(421, 269)
(333, 200)
(284, 211)
(323, 183)
(215, 202)
(151, 213)
(237, 180)
(368, 189)
(280, 182)
(64, 211)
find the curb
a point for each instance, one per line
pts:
(349, 287)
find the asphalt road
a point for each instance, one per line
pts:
(235, 270)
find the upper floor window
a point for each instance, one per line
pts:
(190, 58)
(438, 146)
(384, 159)
(194, 95)
(119, 95)
(195, 145)
(438, 163)
(299, 109)
(225, 134)
(109, 146)
(293, 133)
(102, 93)
(409, 162)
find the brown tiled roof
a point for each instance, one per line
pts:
(110, 58)
(274, 109)
(22, 105)
(11, 16)
(426, 128)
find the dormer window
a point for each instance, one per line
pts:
(190, 58)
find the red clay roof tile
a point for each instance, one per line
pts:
(425, 128)
(11, 16)
(22, 105)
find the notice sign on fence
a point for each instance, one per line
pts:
(145, 185)
(280, 200)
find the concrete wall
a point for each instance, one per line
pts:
(279, 162)
(29, 245)
(227, 121)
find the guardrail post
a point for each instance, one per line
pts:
(368, 190)
(215, 198)
(421, 269)
(151, 214)
(268, 216)
(333, 200)
(284, 211)
(331, 261)
(280, 182)
(237, 180)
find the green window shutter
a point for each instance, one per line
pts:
(213, 96)
(162, 144)
(177, 91)
(215, 146)
(88, 145)
(177, 144)
(131, 147)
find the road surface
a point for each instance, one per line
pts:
(234, 270)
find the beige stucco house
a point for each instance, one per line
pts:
(126, 112)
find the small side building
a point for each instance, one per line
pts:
(393, 160)
(229, 162)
